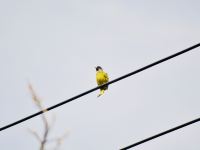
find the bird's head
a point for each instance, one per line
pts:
(98, 68)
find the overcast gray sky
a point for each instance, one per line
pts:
(56, 45)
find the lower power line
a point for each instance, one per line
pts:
(161, 134)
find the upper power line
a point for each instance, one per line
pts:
(96, 88)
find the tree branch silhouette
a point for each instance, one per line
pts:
(47, 127)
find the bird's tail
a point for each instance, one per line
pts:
(101, 92)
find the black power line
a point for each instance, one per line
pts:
(161, 134)
(96, 88)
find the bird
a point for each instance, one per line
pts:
(101, 78)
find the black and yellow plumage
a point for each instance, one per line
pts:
(101, 78)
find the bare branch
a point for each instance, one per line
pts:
(58, 141)
(37, 101)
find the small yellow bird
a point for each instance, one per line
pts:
(101, 78)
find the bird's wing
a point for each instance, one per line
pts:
(106, 77)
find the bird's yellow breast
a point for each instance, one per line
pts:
(101, 77)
